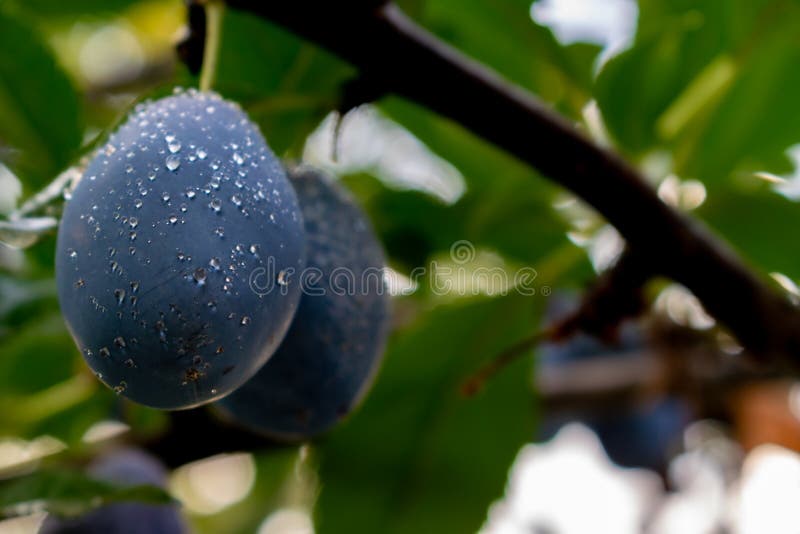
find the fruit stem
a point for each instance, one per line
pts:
(214, 12)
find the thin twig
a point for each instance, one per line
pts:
(478, 380)
(214, 13)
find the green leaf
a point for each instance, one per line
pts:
(69, 493)
(39, 109)
(709, 83)
(760, 224)
(285, 84)
(502, 35)
(58, 8)
(418, 457)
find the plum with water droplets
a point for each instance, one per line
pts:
(334, 347)
(153, 257)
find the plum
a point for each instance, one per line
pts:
(126, 467)
(335, 344)
(157, 246)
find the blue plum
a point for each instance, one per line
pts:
(335, 344)
(126, 467)
(159, 242)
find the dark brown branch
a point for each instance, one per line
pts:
(399, 55)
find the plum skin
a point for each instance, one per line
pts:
(156, 246)
(334, 347)
(126, 467)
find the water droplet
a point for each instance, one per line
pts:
(165, 197)
(199, 276)
(134, 286)
(210, 109)
(137, 203)
(237, 201)
(174, 147)
(183, 208)
(173, 162)
(133, 222)
(129, 169)
(79, 283)
(132, 235)
(119, 294)
(104, 352)
(71, 253)
(121, 387)
(237, 158)
(220, 231)
(213, 391)
(181, 256)
(130, 363)
(190, 194)
(173, 219)
(201, 154)
(214, 263)
(245, 320)
(131, 250)
(119, 341)
(215, 205)
(151, 175)
(272, 217)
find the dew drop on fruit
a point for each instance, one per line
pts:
(214, 263)
(174, 147)
(104, 352)
(173, 162)
(245, 320)
(215, 205)
(173, 219)
(237, 158)
(201, 154)
(199, 276)
(119, 294)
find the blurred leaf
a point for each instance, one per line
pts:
(503, 35)
(59, 8)
(39, 110)
(285, 84)
(708, 81)
(507, 207)
(760, 224)
(418, 457)
(69, 493)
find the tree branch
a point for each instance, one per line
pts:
(410, 62)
